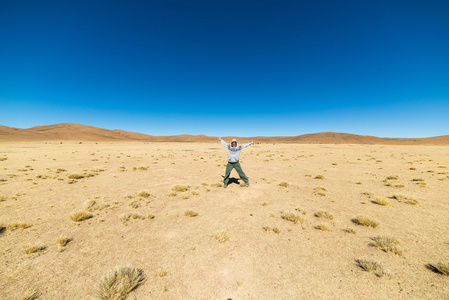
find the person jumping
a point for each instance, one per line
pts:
(233, 161)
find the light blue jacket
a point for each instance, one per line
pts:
(234, 152)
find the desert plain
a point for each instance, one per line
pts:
(161, 207)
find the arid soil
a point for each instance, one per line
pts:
(183, 256)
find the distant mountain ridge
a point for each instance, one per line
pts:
(79, 132)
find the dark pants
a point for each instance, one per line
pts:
(239, 170)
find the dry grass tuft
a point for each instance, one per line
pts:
(319, 177)
(392, 177)
(143, 194)
(134, 204)
(292, 217)
(221, 237)
(3, 198)
(322, 227)
(324, 214)
(284, 184)
(29, 249)
(411, 201)
(14, 226)
(62, 241)
(442, 267)
(380, 201)
(349, 230)
(30, 296)
(179, 188)
(387, 244)
(135, 216)
(372, 265)
(320, 191)
(365, 221)
(190, 213)
(216, 185)
(75, 176)
(80, 216)
(119, 282)
(274, 229)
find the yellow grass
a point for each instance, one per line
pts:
(365, 221)
(80, 216)
(381, 201)
(29, 249)
(179, 188)
(190, 213)
(284, 184)
(322, 227)
(387, 244)
(292, 217)
(17, 225)
(75, 176)
(350, 230)
(30, 296)
(443, 267)
(324, 214)
(372, 265)
(319, 177)
(221, 237)
(143, 194)
(62, 241)
(119, 282)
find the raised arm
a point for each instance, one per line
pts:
(223, 143)
(247, 144)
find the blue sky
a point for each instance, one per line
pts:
(242, 68)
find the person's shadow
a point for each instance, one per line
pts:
(232, 180)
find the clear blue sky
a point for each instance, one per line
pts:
(242, 68)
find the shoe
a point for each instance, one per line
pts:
(247, 183)
(225, 186)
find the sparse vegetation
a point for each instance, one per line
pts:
(179, 188)
(17, 225)
(284, 184)
(30, 296)
(119, 282)
(442, 267)
(29, 249)
(365, 221)
(292, 217)
(380, 201)
(221, 237)
(143, 194)
(320, 191)
(80, 216)
(387, 244)
(372, 265)
(319, 177)
(190, 213)
(216, 185)
(324, 214)
(75, 176)
(128, 216)
(322, 227)
(350, 230)
(62, 241)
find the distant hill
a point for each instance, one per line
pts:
(78, 132)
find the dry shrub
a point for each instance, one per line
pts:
(75, 176)
(392, 177)
(320, 191)
(134, 204)
(14, 226)
(322, 227)
(135, 216)
(324, 214)
(143, 194)
(372, 265)
(411, 201)
(62, 241)
(190, 213)
(284, 184)
(319, 177)
(442, 267)
(387, 244)
(30, 296)
(80, 216)
(349, 230)
(221, 237)
(292, 217)
(365, 221)
(380, 201)
(179, 188)
(119, 282)
(29, 249)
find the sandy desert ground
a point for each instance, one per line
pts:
(264, 257)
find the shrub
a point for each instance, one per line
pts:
(62, 241)
(29, 249)
(14, 226)
(443, 267)
(372, 265)
(119, 282)
(324, 214)
(221, 237)
(319, 177)
(190, 213)
(365, 221)
(387, 244)
(349, 230)
(179, 188)
(284, 184)
(143, 194)
(322, 227)
(75, 176)
(380, 201)
(80, 216)
(292, 217)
